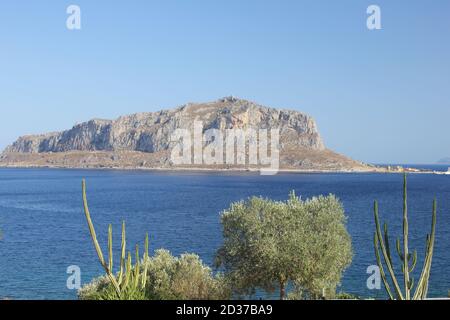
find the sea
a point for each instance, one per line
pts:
(44, 235)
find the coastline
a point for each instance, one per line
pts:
(307, 162)
(375, 170)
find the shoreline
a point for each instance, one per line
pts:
(376, 170)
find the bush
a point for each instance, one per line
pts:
(347, 296)
(168, 278)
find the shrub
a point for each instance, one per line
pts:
(168, 278)
(160, 277)
(347, 296)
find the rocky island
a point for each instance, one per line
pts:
(143, 140)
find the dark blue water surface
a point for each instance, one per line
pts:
(43, 228)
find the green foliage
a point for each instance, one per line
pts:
(347, 296)
(160, 277)
(186, 277)
(270, 244)
(408, 260)
(168, 278)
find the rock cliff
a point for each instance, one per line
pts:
(146, 138)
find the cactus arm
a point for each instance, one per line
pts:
(425, 286)
(431, 249)
(122, 253)
(380, 266)
(385, 254)
(425, 283)
(145, 262)
(411, 284)
(91, 226)
(110, 250)
(405, 241)
(95, 241)
(433, 236)
(136, 268)
(414, 262)
(386, 242)
(419, 288)
(418, 294)
(409, 261)
(129, 277)
(128, 272)
(422, 286)
(399, 250)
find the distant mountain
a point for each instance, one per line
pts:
(444, 161)
(143, 140)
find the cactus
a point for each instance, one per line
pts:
(409, 261)
(128, 278)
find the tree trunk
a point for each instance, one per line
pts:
(282, 290)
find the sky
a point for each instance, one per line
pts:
(379, 96)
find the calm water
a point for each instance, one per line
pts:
(44, 231)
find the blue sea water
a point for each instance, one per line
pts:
(43, 229)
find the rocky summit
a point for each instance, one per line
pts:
(145, 140)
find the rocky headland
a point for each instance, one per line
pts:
(144, 140)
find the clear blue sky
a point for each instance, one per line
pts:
(378, 96)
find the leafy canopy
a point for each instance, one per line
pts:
(272, 244)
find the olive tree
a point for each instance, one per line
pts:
(279, 244)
